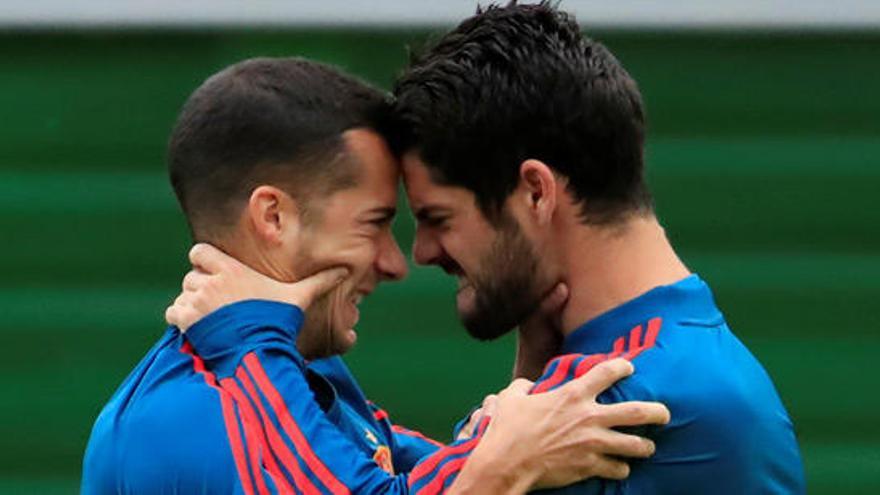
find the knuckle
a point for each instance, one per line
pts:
(591, 414)
(590, 460)
(521, 382)
(595, 444)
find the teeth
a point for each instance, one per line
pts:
(358, 298)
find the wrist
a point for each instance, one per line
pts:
(495, 466)
(221, 337)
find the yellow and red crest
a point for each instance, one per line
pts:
(383, 459)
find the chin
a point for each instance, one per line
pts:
(343, 340)
(321, 337)
(465, 301)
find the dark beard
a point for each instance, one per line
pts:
(506, 291)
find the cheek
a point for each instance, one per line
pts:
(357, 255)
(467, 250)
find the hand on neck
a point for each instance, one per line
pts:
(257, 254)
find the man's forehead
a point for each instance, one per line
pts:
(417, 176)
(426, 194)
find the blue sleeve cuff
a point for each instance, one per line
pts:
(462, 422)
(223, 337)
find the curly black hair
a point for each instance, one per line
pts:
(517, 82)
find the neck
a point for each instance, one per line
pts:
(607, 266)
(248, 250)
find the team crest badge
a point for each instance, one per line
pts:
(383, 459)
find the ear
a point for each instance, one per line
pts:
(537, 189)
(273, 214)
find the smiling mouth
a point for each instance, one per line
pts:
(359, 296)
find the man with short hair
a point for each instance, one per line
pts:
(524, 164)
(279, 162)
(523, 159)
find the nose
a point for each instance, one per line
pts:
(390, 262)
(426, 249)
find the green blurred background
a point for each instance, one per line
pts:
(763, 158)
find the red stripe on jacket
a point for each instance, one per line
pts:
(562, 368)
(254, 429)
(436, 484)
(288, 460)
(229, 419)
(425, 467)
(252, 363)
(636, 346)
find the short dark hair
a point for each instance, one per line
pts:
(518, 82)
(275, 121)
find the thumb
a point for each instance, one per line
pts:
(305, 291)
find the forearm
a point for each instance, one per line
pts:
(490, 469)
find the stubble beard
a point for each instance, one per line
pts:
(506, 290)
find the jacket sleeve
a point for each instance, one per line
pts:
(287, 443)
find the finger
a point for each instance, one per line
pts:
(520, 386)
(555, 299)
(194, 279)
(174, 314)
(634, 414)
(182, 314)
(610, 442)
(490, 405)
(208, 258)
(308, 289)
(171, 315)
(609, 468)
(601, 377)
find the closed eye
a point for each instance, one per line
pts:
(382, 222)
(433, 221)
(431, 218)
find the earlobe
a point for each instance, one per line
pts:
(272, 213)
(540, 184)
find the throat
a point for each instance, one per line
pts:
(607, 267)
